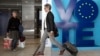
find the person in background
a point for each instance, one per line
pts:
(50, 29)
(13, 30)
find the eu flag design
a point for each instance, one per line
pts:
(86, 10)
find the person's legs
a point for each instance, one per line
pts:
(52, 38)
(11, 36)
(42, 42)
(14, 36)
(62, 49)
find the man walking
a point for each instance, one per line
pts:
(50, 30)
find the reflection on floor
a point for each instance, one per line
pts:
(31, 45)
(81, 53)
(49, 52)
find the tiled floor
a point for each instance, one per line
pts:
(32, 44)
(81, 53)
(49, 52)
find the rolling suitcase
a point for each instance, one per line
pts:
(71, 48)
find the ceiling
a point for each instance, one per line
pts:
(16, 3)
(7, 4)
(19, 1)
(10, 1)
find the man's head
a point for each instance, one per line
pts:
(47, 7)
(14, 13)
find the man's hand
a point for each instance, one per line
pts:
(7, 34)
(51, 33)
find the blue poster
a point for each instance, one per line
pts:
(78, 22)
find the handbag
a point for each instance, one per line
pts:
(7, 43)
(22, 38)
(56, 32)
(21, 30)
(21, 44)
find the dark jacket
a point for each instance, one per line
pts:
(13, 24)
(51, 24)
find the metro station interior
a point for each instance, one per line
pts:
(30, 13)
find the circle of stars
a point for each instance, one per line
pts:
(91, 7)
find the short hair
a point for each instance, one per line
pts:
(48, 5)
(14, 11)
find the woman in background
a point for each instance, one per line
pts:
(13, 29)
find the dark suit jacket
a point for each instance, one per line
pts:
(50, 23)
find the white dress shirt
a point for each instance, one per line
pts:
(45, 25)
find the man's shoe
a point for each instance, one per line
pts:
(40, 53)
(62, 52)
(74, 54)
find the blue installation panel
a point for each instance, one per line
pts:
(78, 22)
